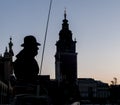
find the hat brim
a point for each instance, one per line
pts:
(37, 44)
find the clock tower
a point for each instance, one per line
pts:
(66, 56)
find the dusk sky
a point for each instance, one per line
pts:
(94, 23)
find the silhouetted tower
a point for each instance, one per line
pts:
(6, 65)
(11, 55)
(8, 56)
(10, 47)
(66, 56)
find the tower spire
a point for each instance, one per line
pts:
(65, 14)
(65, 24)
(65, 33)
(10, 47)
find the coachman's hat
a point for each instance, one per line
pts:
(30, 41)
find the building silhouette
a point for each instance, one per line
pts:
(65, 89)
(66, 56)
(66, 66)
(6, 73)
(93, 91)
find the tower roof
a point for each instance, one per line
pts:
(65, 24)
(65, 34)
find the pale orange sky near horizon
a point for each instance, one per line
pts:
(94, 23)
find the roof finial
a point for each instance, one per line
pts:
(65, 13)
(10, 46)
(10, 38)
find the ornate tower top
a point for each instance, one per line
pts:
(65, 14)
(65, 34)
(10, 47)
(65, 21)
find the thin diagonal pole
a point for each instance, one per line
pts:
(45, 36)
